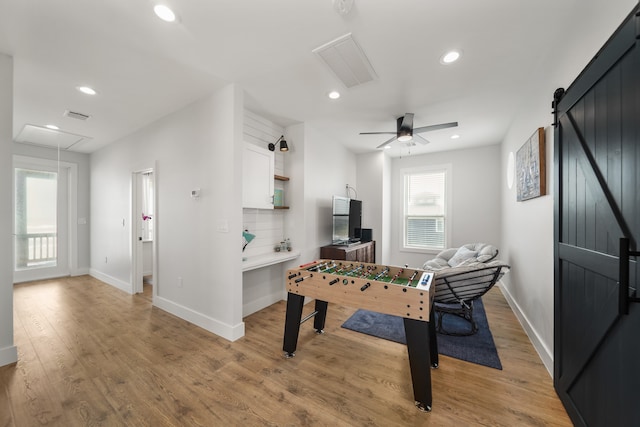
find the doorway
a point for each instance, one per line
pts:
(144, 276)
(42, 199)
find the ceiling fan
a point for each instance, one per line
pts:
(405, 130)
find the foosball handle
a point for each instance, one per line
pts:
(307, 264)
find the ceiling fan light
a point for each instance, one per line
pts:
(405, 138)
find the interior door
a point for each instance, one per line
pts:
(597, 212)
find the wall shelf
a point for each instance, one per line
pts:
(281, 178)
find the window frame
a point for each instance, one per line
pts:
(448, 211)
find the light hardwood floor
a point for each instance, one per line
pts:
(92, 355)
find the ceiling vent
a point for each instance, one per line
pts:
(37, 135)
(76, 115)
(347, 60)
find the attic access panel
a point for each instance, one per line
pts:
(37, 135)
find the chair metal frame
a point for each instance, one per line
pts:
(455, 292)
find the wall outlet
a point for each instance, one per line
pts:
(223, 226)
(179, 282)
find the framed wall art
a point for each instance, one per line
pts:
(530, 168)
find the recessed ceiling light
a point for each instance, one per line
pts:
(52, 127)
(86, 90)
(164, 13)
(456, 136)
(334, 94)
(450, 57)
(388, 146)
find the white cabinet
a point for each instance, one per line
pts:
(257, 176)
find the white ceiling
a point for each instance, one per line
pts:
(144, 68)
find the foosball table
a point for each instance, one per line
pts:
(391, 290)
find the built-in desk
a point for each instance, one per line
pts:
(259, 261)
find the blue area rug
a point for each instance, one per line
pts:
(478, 348)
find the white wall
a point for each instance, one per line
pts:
(83, 184)
(476, 196)
(527, 228)
(295, 196)
(147, 258)
(199, 146)
(371, 185)
(8, 352)
(327, 168)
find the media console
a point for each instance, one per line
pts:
(363, 252)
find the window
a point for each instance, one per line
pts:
(36, 223)
(426, 199)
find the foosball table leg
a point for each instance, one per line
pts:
(321, 315)
(295, 304)
(418, 347)
(433, 340)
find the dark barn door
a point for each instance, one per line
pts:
(597, 218)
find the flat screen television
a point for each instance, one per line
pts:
(347, 220)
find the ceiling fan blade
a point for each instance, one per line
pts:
(435, 127)
(377, 133)
(420, 139)
(389, 141)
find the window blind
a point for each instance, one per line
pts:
(425, 209)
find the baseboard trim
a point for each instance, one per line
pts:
(80, 271)
(8, 355)
(260, 303)
(543, 351)
(228, 332)
(117, 283)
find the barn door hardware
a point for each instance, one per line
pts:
(623, 278)
(557, 96)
